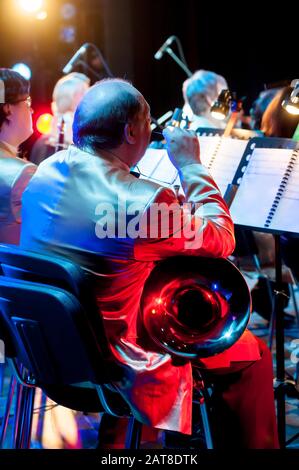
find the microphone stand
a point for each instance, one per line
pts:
(105, 64)
(178, 61)
(87, 67)
(100, 55)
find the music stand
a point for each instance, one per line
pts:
(231, 197)
(246, 245)
(236, 133)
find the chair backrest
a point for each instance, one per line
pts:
(55, 328)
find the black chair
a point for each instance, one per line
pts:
(55, 339)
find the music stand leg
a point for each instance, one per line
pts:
(280, 365)
(200, 398)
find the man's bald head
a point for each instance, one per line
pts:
(104, 111)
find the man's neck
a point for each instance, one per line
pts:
(119, 153)
(7, 136)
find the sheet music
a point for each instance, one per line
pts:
(155, 165)
(225, 164)
(221, 155)
(259, 186)
(286, 216)
(208, 147)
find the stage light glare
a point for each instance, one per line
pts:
(23, 70)
(44, 123)
(41, 15)
(68, 11)
(68, 34)
(30, 6)
(217, 115)
(221, 107)
(292, 109)
(291, 104)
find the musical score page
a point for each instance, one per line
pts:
(226, 162)
(155, 165)
(220, 155)
(286, 216)
(259, 186)
(208, 147)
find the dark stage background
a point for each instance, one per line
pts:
(248, 47)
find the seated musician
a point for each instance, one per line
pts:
(66, 211)
(199, 92)
(67, 93)
(15, 173)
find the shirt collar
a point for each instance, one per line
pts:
(109, 158)
(10, 149)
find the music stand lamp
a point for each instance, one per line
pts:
(225, 103)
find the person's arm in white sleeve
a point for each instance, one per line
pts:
(19, 187)
(207, 232)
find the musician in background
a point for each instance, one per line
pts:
(15, 173)
(199, 92)
(71, 203)
(259, 106)
(67, 93)
(276, 121)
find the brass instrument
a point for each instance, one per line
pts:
(195, 307)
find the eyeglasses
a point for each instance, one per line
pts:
(27, 100)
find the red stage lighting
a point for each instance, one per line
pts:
(44, 123)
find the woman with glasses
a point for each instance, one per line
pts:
(15, 173)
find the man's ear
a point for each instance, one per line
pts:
(7, 109)
(54, 107)
(129, 133)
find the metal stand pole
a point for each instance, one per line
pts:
(280, 365)
(178, 61)
(200, 398)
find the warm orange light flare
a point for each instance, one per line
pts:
(30, 6)
(44, 123)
